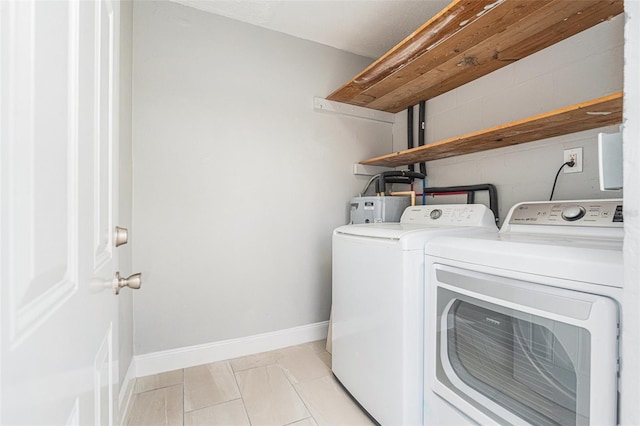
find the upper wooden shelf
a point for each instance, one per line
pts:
(466, 40)
(605, 111)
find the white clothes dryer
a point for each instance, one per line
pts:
(378, 281)
(522, 326)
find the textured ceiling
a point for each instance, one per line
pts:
(364, 27)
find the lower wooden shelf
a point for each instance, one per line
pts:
(601, 112)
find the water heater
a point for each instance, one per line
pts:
(378, 208)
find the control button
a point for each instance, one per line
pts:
(435, 214)
(573, 213)
(617, 217)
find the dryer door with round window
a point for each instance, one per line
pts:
(517, 352)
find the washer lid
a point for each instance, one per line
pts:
(390, 231)
(406, 236)
(421, 223)
(429, 217)
(577, 258)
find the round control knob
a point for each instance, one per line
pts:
(573, 213)
(435, 214)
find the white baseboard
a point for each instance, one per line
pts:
(174, 359)
(126, 391)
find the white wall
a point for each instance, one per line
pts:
(630, 366)
(585, 66)
(238, 183)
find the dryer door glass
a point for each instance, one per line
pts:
(531, 366)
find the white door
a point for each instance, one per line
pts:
(58, 120)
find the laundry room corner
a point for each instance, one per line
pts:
(238, 182)
(320, 212)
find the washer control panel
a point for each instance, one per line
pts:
(448, 214)
(602, 213)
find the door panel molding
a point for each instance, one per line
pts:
(103, 381)
(74, 416)
(104, 84)
(40, 163)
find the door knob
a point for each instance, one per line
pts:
(121, 236)
(132, 281)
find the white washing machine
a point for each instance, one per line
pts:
(522, 326)
(378, 276)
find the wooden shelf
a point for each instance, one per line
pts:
(601, 112)
(468, 39)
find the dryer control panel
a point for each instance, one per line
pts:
(600, 213)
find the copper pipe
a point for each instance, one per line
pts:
(412, 193)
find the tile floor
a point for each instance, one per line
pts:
(290, 386)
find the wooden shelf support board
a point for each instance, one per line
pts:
(465, 41)
(324, 105)
(601, 112)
